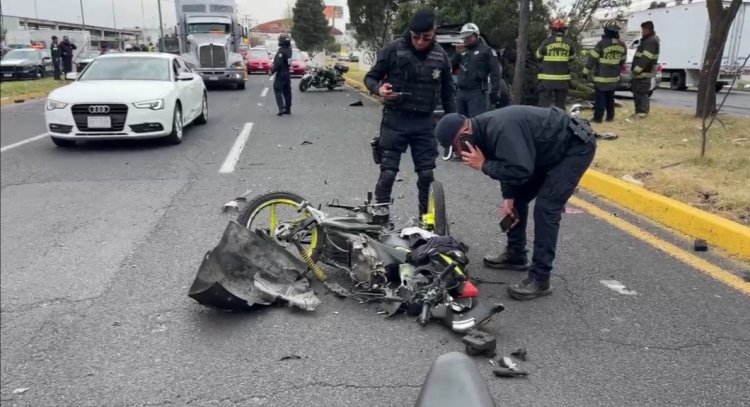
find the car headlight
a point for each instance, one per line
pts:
(54, 104)
(157, 104)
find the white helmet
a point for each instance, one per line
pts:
(469, 30)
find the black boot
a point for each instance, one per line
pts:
(528, 289)
(510, 259)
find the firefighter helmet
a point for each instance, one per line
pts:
(558, 24)
(612, 25)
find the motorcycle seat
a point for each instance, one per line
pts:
(454, 380)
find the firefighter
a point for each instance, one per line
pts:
(644, 68)
(556, 52)
(603, 65)
(476, 62)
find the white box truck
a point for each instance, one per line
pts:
(683, 32)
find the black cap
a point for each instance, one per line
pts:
(422, 21)
(448, 127)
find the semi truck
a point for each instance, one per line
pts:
(209, 37)
(683, 32)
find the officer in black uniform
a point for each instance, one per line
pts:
(55, 52)
(411, 75)
(66, 54)
(535, 153)
(476, 61)
(282, 83)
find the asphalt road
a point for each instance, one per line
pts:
(100, 244)
(737, 102)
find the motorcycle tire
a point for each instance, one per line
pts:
(436, 205)
(290, 199)
(304, 84)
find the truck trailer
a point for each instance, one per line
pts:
(683, 31)
(209, 37)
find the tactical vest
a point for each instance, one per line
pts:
(609, 53)
(420, 80)
(558, 51)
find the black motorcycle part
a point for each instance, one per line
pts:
(479, 343)
(454, 380)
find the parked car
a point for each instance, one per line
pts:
(26, 63)
(85, 58)
(258, 61)
(244, 50)
(305, 56)
(127, 96)
(298, 66)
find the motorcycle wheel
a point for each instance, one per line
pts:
(304, 84)
(436, 218)
(252, 217)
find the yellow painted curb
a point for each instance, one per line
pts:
(728, 235)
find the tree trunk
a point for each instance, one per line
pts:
(521, 46)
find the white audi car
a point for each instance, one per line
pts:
(127, 96)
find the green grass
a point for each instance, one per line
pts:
(13, 90)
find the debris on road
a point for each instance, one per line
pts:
(741, 142)
(700, 245)
(629, 178)
(290, 357)
(19, 101)
(505, 372)
(357, 103)
(520, 354)
(607, 136)
(617, 286)
(20, 390)
(508, 363)
(572, 209)
(479, 343)
(235, 203)
(305, 143)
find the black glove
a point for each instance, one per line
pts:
(494, 98)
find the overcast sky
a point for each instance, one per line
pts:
(128, 13)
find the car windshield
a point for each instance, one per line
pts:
(296, 56)
(208, 28)
(22, 54)
(258, 53)
(127, 69)
(88, 55)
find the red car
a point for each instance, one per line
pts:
(258, 61)
(243, 49)
(298, 65)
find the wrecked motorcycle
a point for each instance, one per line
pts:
(410, 269)
(323, 77)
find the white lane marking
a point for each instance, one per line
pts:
(617, 286)
(22, 142)
(264, 93)
(234, 154)
(260, 104)
(271, 77)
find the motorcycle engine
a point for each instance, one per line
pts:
(366, 268)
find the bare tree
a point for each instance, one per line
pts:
(720, 19)
(521, 46)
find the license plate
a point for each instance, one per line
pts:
(7, 75)
(213, 78)
(99, 122)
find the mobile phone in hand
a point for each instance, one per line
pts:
(507, 222)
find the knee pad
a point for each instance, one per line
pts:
(388, 176)
(425, 177)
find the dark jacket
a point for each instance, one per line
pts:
(519, 141)
(425, 74)
(646, 57)
(281, 60)
(66, 49)
(556, 52)
(604, 62)
(54, 50)
(477, 63)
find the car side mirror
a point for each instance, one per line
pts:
(185, 76)
(71, 76)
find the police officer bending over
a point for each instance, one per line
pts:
(534, 152)
(416, 74)
(282, 82)
(476, 61)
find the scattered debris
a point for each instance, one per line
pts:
(508, 363)
(741, 142)
(520, 354)
(684, 140)
(479, 343)
(304, 143)
(290, 357)
(607, 136)
(479, 280)
(571, 209)
(116, 323)
(234, 204)
(505, 372)
(631, 179)
(20, 390)
(700, 245)
(382, 312)
(19, 101)
(444, 340)
(672, 165)
(357, 103)
(617, 286)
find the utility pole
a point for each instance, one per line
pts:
(114, 24)
(36, 11)
(161, 28)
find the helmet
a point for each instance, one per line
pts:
(612, 25)
(284, 40)
(469, 30)
(558, 24)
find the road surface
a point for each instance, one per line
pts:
(101, 242)
(737, 102)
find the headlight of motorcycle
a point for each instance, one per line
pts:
(54, 105)
(238, 65)
(157, 104)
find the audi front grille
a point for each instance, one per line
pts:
(116, 113)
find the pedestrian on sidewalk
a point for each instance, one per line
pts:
(535, 153)
(604, 64)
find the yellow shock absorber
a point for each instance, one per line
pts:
(317, 271)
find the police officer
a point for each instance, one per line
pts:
(556, 52)
(411, 74)
(66, 54)
(282, 83)
(54, 50)
(535, 153)
(476, 61)
(644, 68)
(603, 64)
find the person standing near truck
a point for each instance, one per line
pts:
(603, 64)
(476, 61)
(644, 68)
(556, 52)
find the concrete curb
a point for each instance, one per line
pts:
(723, 233)
(730, 236)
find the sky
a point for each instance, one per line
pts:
(128, 13)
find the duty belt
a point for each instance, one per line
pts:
(581, 130)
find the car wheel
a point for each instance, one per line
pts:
(40, 73)
(203, 118)
(677, 81)
(61, 142)
(177, 127)
(241, 86)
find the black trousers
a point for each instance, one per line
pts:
(399, 131)
(604, 100)
(282, 89)
(56, 68)
(472, 102)
(549, 95)
(551, 188)
(640, 89)
(67, 63)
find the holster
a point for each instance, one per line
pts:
(581, 129)
(377, 152)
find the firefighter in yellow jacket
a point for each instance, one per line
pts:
(603, 65)
(556, 52)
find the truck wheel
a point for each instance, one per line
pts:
(677, 81)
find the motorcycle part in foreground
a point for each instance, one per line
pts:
(248, 268)
(479, 343)
(454, 380)
(520, 354)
